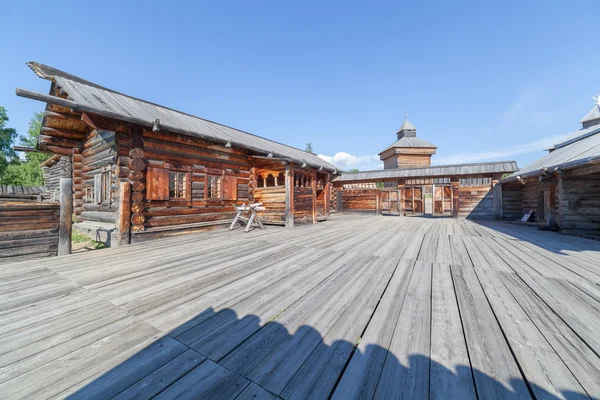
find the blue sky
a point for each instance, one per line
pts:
(481, 80)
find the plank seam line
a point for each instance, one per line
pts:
(364, 330)
(262, 327)
(387, 352)
(430, 325)
(544, 336)
(242, 299)
(558, 315)
(340, 317)
(463, 332)
(529, 388)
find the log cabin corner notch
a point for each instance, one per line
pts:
(184, 172)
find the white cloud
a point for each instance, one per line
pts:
(347, 161)
(501, 155)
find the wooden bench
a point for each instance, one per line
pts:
(251, 218)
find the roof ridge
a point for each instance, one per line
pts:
(38, 69)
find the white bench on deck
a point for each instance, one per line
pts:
(251, 218)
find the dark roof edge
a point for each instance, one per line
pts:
(576, 139)
(435, 166)
(553, 169)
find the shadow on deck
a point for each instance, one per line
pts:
(274, 363)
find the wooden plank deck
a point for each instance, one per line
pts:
(355, 307)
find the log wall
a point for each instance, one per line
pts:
(364, 200)
(303, 205)
(99, 155)
(512, 202)
(273, 198)
(333, 207)
(529, 198)
(579, 205)
(476, 202)
(152, 218)
(52, 173)
(28, 230)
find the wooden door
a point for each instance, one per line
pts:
(542, 205)
(413, 200)
(390, 202)
(442, 200)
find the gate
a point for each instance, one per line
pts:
(390, 202)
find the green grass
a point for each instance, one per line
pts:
(78, 237)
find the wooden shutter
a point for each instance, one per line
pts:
(157, 184)
(98, 188)
(229, 187)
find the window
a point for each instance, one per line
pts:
(214, 187)
(101, 191)
(476, 181)
(178, 185)
(105, 191)
(173, 182)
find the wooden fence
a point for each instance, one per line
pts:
(34, 229)
(28, 230)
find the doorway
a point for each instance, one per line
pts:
(390, 202)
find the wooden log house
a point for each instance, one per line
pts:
(408, 184)
(464, 191)
(184, 172)
(562, 189)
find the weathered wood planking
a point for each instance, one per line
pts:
(279, 312)
(406, 370)
(498, 374)
(450, 375)
(28, 230)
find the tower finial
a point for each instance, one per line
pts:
(405, 115)
(597, 100)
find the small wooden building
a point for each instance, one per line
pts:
(465, 190)
(408, 151)
(409, 185)
(562, 189)
(181, 172)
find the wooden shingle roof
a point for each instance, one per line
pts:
(431, 171)
(88, 96)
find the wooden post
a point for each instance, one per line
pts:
(123, 220)
(313, 187)
(66, 216)
(497, 193)
(327, 189)
(455, 191)
(377, 200)
(338, 203)
(289, 196)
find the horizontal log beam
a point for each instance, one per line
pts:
(63, 133)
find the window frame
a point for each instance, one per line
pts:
(186, 170)
(207, 190)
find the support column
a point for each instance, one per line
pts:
(289, 196)
(66, 216)
(327, 189)
(123, 220)
(455, 203)
(313, 187)
(497, 193)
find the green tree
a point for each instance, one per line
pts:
(353, 170)
(309, 147)
(28, 172)
(7, 136)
